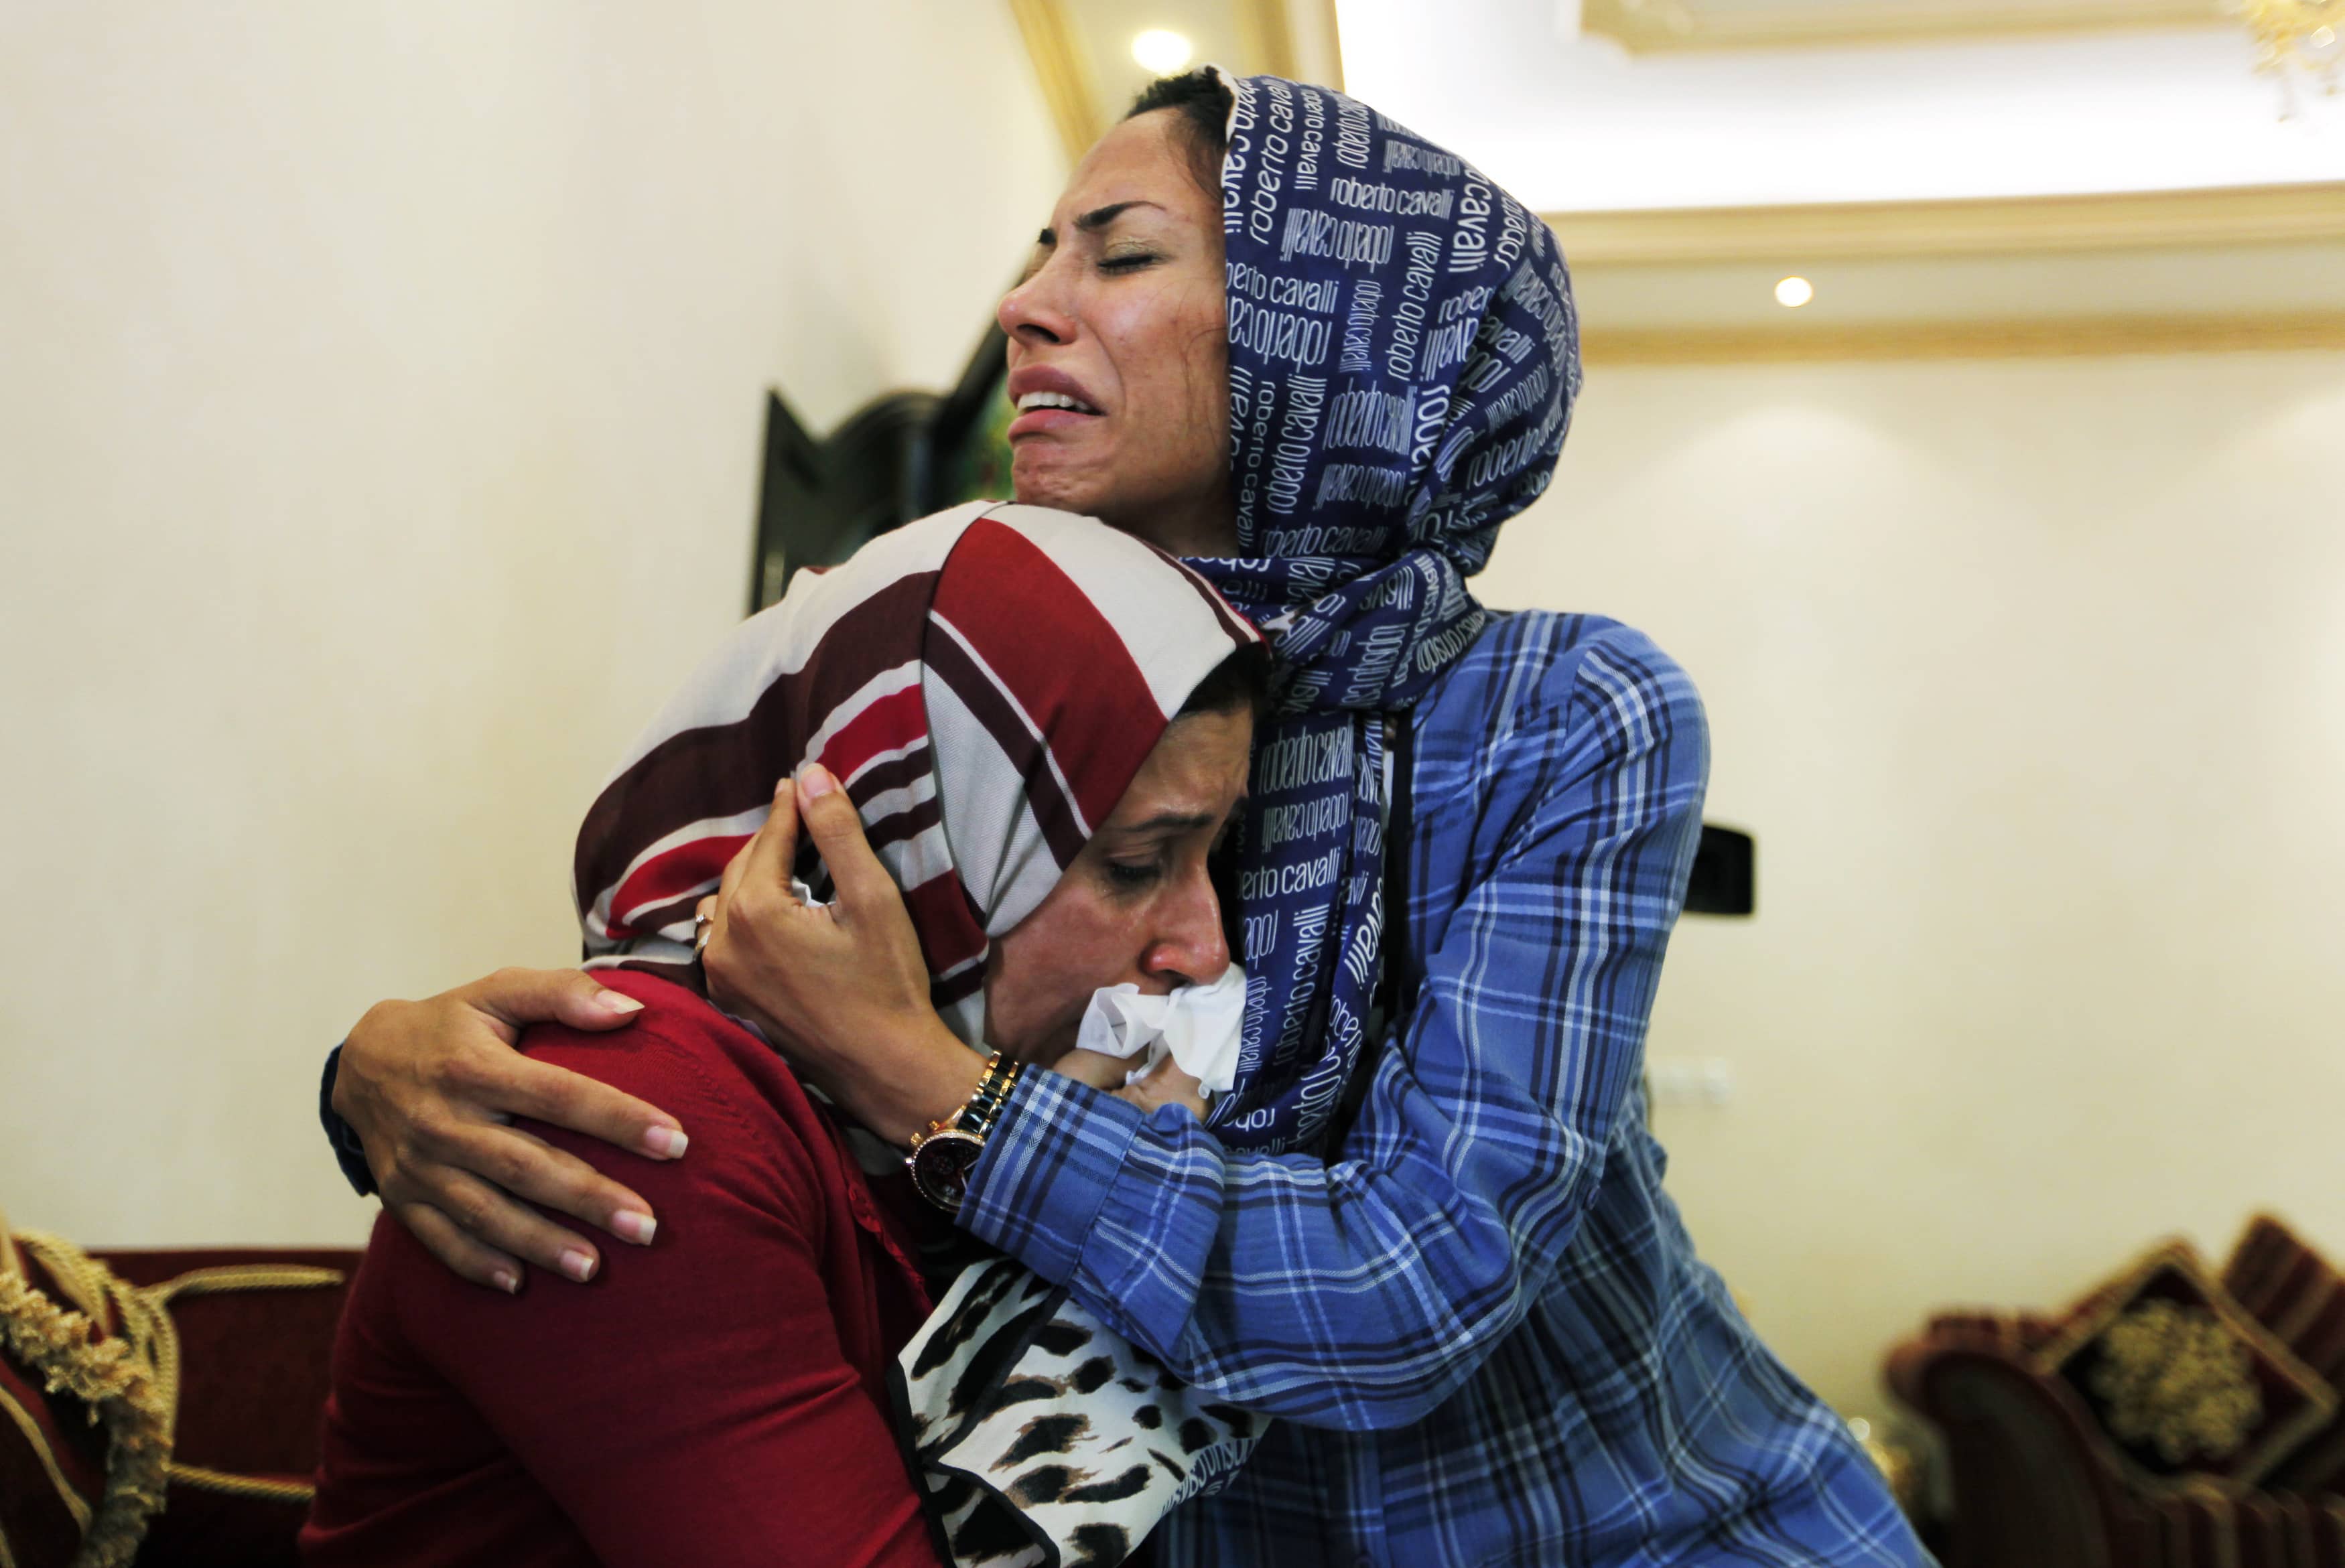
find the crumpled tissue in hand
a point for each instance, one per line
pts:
(1198, 1025)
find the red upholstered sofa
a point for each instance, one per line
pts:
(2221, 1443)
(228, 1348)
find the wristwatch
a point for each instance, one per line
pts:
(942, 1157)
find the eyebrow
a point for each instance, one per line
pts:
(1096, 218)
(1169, 822)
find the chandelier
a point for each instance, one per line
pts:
(2304, 37)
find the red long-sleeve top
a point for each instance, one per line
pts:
(718, 1397)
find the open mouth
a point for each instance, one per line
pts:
(1034, 401)
(1045, 410)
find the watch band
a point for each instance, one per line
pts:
(985, 1102)
(941, 1158)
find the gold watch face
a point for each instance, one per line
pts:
(941, 1164)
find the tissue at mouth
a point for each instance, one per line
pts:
(1197, 1026)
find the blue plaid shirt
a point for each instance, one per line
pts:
(1482, 1326)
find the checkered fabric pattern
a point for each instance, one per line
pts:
(1482, 1325)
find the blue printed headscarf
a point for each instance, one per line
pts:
(1404, 357)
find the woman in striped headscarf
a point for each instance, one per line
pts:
(1041, 726)
(1274, 330)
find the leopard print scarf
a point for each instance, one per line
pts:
(1045, 1440)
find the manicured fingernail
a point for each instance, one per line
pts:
(578, 1265)
(635, 1226)
(617, 1002)
(815, 781)
(506, 1280)
(664, 1142)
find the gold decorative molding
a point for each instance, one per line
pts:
(1268, 39)
(1801, 342)
(2241, 215)
(1650, 26)
(1066, 81)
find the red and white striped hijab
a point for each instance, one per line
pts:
(985, 682)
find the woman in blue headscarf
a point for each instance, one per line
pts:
(1272, 330)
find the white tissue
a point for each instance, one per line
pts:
(1197, 1026)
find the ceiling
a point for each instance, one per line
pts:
(1648, 26)
(1571, 120)
(1084, 52)
(1954, 176)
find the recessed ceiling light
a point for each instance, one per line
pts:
(1161, 51)
(1794, 292)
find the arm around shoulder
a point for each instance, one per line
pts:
(416, 1100)
(1559, 785)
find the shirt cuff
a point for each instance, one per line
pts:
(1047, 1164)
(349, 1152)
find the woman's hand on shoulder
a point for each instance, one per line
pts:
(430, 1087)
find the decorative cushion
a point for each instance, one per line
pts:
(2294, 1292)
(256, 1334)
(2191, 1390)
(88, 1429)
(2016, 1334)
(101, 1359)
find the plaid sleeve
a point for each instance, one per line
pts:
(1546, 872)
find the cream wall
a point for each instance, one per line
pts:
(2029, 677)
(381, 398)
(379, 403)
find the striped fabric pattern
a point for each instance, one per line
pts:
(1027, 659)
